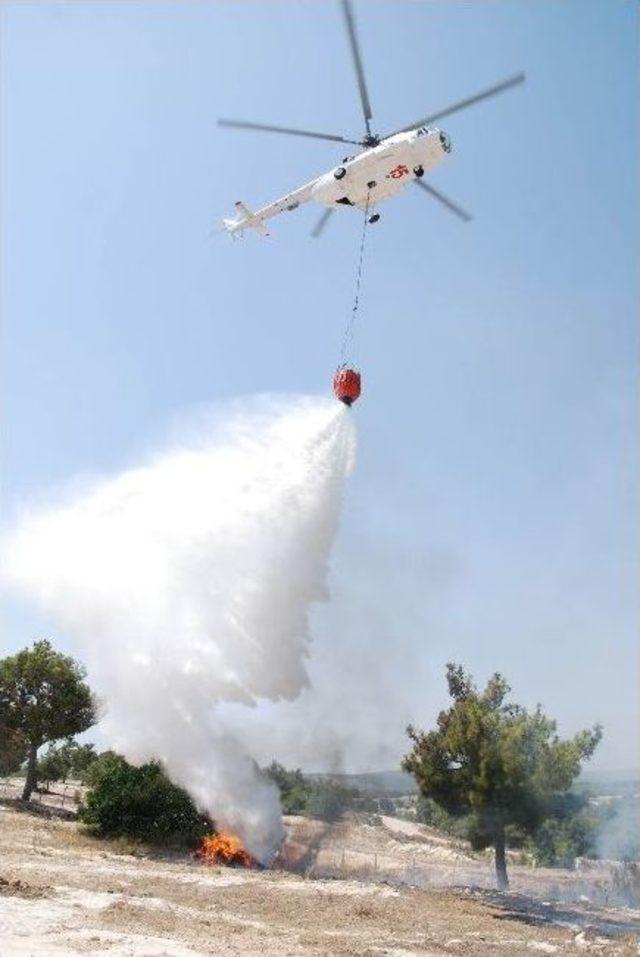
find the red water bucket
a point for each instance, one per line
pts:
(346, 385)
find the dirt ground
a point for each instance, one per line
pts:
(63, 892)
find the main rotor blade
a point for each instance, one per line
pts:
(462, 104)
(444, 200)
(357, 62)
(244, 125)
(322, 222)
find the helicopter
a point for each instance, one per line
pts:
(381, 170)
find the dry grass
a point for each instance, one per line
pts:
(65, 892)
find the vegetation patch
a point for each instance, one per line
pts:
(141, 803)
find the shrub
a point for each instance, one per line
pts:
(558, 842)
(293, 786)
(430, 813)
(104, 762)
(140, 803)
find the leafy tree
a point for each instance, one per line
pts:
(43, 697)
(52, 767)
(141, 803)
(495, 762)
(81, 757)
(293, 786)
(69, 759)
(13, 750)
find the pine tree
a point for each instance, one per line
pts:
(495, 762)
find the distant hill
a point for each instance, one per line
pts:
(396, 783)
(618, 783)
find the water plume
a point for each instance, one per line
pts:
(187, 582)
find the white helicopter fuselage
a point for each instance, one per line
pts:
(382, 171)
(379, 172)
(376, 174)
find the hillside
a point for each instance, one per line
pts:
(338, 890)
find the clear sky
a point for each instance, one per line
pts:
(493, 516)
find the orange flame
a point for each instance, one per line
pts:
(224, 849)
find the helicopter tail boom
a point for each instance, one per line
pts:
(246, 219)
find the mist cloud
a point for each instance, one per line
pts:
(187, 582)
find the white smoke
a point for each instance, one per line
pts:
(187, 583)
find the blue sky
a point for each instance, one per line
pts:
(493, 515)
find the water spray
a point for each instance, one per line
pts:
(186, 583)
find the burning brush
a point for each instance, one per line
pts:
(225, 849)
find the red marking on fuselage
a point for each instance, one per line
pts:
(398, 171)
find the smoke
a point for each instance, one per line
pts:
(186, 583)
(619, 835)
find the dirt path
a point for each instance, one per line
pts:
(64, 893)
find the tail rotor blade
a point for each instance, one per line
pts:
(322, 222)
(357, 62)
(451, 206)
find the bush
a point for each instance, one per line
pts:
(140, 803)
(430, 813)
(293, 786)
(558, 842)
(94, 772)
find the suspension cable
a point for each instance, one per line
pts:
(349, 332)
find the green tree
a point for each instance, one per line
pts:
(495, 762)
(140, 803)
(293, 786)
(67, 760)
(43, 697)
(82, 757)
(51, 767)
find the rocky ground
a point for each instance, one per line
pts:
(63, 892)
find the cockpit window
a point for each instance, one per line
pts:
(423, 131)
(446, 142)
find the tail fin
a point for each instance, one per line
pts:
(245, 219)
